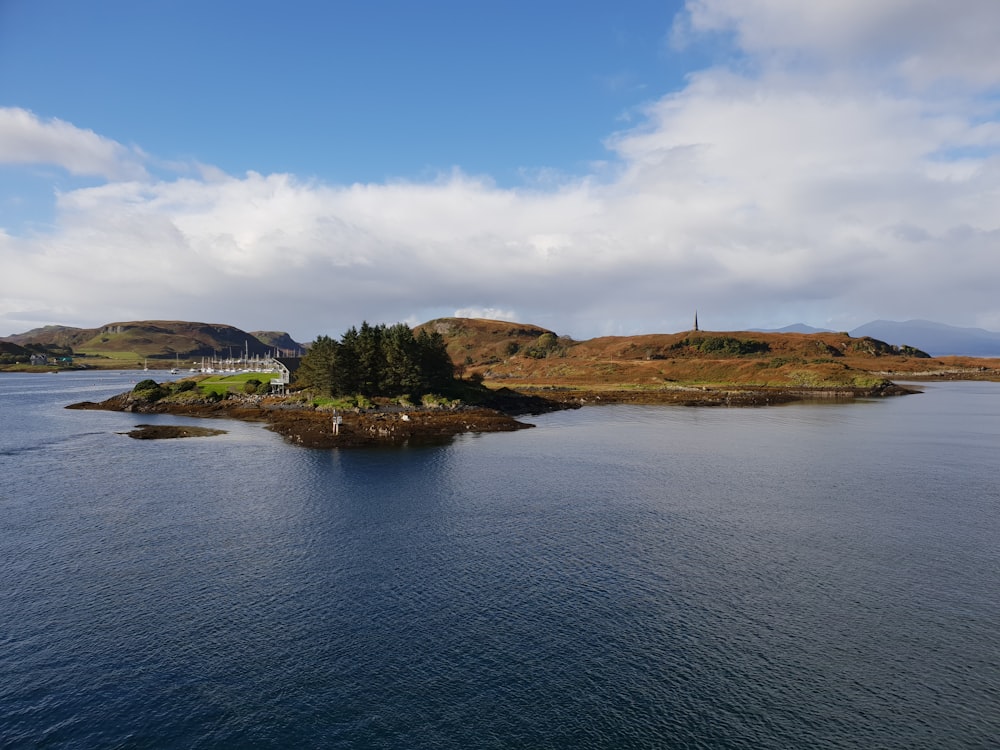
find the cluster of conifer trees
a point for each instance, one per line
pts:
(378, 361)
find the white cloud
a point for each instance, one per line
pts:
(924, 42)
(761, 198)
(26, 139)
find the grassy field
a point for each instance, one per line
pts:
(221, 384)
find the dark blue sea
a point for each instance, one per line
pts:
(803, 576)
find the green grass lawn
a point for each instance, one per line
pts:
(221, 384)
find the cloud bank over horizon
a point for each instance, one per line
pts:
(841, 165)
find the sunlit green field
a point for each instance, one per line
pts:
(223, 383)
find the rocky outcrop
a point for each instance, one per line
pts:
(315, 428)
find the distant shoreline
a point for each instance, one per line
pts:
(723, 395)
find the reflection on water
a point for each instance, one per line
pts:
(796, 576)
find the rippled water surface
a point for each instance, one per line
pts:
(648, 577)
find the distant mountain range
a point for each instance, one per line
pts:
(937, 339)
(795, 328)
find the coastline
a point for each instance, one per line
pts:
(389, 426)
(314, 428)
(727, 395)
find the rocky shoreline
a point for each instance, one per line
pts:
(720, 396)
(303, 425)
(315, 428)
(165, 431)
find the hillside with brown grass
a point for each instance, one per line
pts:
(279, 340)
(525, 356)
(477, 341)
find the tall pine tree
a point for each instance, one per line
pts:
(378, 361)
(318, 366)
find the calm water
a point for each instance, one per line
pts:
(619, 577)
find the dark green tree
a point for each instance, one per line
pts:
(436, 368)
(401, 374)
(378, 361)
(371, 359)
(346, 378)
(317, 369)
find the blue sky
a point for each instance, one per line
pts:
(345, 92)
(590, 167)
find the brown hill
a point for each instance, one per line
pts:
(520, 355)
(52, 336)
(169, 338)
(476, 341)
(285, 344)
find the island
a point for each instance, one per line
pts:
(379, 384)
